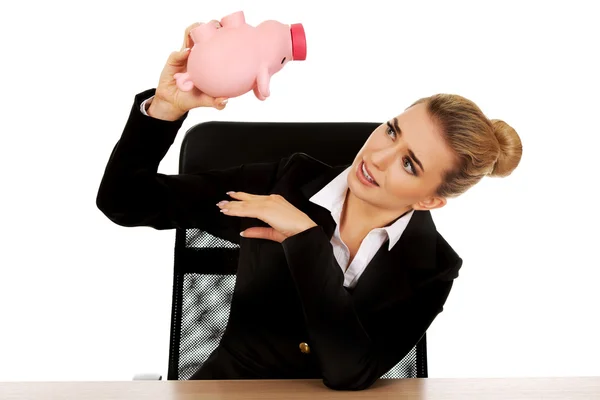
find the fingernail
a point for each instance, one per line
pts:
(223, 102)
(229, 193)
(223, 210)
(242, 233)
(221, 203)
(186, 49)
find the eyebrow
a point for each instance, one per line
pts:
(398, 132)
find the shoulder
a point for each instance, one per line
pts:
(303, 160)
(429, 249)
(262, 177)
(448, 260)
(302, 168)
(301, 176)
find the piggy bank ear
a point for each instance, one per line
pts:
(204, 31)
(234, 20)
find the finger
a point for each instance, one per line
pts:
(220, 102)
(263, 233)
(217, 23)
(242, 209)
(187, 40)
(204, 100)
(244, 196)
(179, 58)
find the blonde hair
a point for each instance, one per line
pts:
(482, 146)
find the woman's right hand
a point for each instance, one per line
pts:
(170, 103)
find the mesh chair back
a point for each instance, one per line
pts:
(205, 266)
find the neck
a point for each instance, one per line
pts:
(364, 217)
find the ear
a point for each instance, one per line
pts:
(430, 203)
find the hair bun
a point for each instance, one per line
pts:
(511, 148)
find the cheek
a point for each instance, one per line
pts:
(402, 185)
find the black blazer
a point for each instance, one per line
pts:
(289, 293)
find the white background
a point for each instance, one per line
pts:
(84, 299)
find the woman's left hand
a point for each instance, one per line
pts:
(285, 219)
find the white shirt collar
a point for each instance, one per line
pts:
(333, 195)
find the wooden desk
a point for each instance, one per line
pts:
(422, 389)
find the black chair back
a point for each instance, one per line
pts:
(205, 266)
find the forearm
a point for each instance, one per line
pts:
(344, 349)
(350, 357)
(128, 178)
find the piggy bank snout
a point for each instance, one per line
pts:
(298, 42)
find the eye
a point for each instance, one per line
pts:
(408, 165)
(282, 61)
(389, 131)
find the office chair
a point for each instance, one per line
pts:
(205, 266)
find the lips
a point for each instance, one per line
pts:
(365, 176)
(369, 172)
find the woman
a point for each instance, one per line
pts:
(341, 269)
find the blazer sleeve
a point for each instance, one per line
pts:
(133, 193)
(349, 357)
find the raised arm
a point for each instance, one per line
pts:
(133, 193)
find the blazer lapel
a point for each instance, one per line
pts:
(320, 215)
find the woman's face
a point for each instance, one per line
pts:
(407, 158)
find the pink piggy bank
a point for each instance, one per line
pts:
(235, 58)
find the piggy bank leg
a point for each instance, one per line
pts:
(262, 84)
(183, 81)
(258, 95)
(234, 20)
(203, 32)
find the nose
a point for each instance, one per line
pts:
(382, 158)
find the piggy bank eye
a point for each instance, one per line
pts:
(282, 61)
